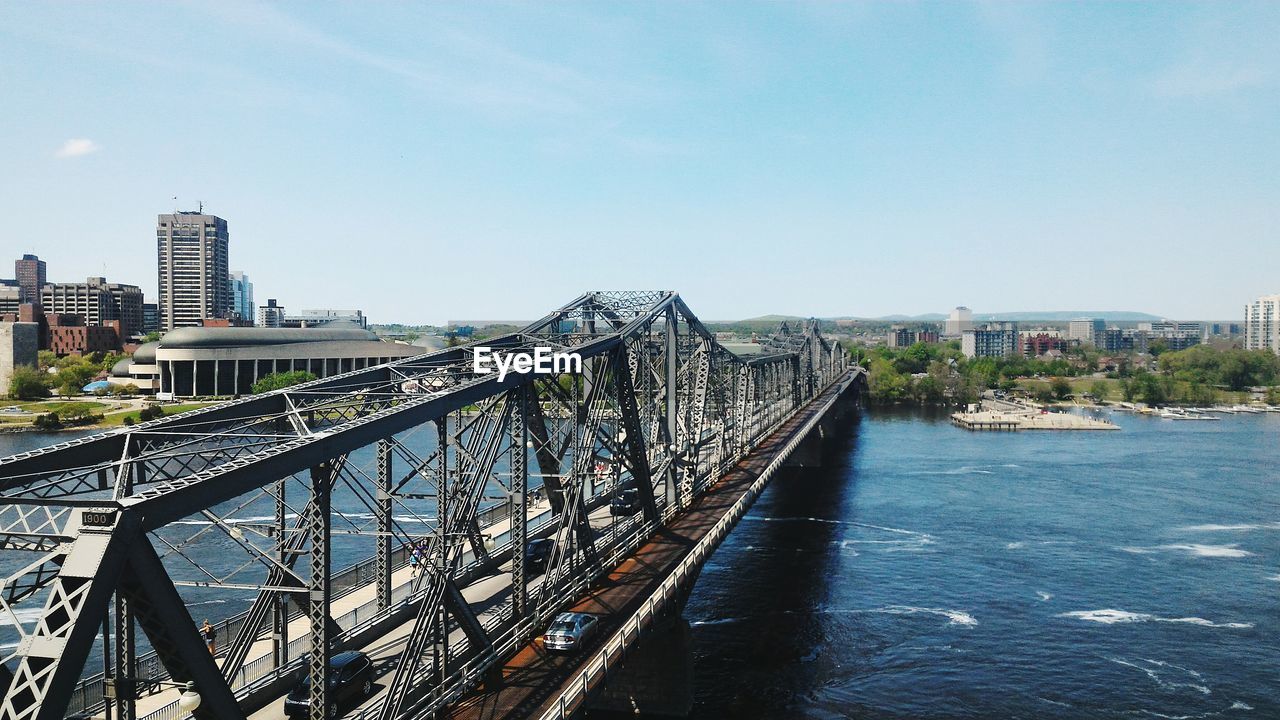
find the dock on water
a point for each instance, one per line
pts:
(1009, 416)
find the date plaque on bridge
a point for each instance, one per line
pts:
(98, 518)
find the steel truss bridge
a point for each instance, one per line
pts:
(249, 500)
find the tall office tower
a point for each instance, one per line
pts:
(191, 250)
(960, 320)
(1262, 324)
(31, 276)
(242, 296)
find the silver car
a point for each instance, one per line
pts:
(570, 630)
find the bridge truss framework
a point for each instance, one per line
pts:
(101, 523)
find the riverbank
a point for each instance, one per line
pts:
(19, 417)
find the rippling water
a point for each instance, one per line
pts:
(931, 572)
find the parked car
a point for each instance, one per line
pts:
(350, 676)
(569, 631)
(626, 502)
(537, 553)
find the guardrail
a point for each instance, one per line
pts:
(614, 649)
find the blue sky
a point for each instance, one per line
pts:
(479, 160)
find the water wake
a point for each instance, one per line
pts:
(1111, 617)
(1207, 551)
(1154, 669)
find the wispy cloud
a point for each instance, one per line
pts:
(75, 147)
(1198, 80)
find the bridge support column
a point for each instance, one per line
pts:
(673, 410)
(280, 601)
(318, 592)
(125, 689)
(444, 540)
(383, 509)
(519, 505)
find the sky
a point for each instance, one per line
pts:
(428, 162)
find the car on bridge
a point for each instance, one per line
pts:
(570, 631)
(350, 676)
(626, 502)
(537, 553)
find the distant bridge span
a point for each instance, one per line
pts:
(250, 498)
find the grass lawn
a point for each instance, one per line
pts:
(1081, 385)
(59, 406)
(117, 419)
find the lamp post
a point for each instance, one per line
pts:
(188, 701)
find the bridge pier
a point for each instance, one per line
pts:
(810, 450)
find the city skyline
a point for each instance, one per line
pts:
(1036, 157)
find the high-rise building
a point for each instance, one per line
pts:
(242, 296)
(191, 249)
(1262, 324)
(961, 319)
(991, 340)
(271, 315)
(1087, 330)
(31, 276)
(97, 302)
(900, 337)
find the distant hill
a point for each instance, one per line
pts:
(765, 318)
(1064, 315)
(1020, 316)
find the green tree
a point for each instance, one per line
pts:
(27, 383)
(886, 385)
(276, 381)
(1060, 387)
(76, 375)
(1042, 392)
(1099, 390)
(151, 337)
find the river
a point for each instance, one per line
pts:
(931, 572)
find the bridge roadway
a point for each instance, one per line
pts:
(532, 679)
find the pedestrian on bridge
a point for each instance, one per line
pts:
(414, 561)
(210, 637)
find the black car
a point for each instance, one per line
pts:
(626, 502)
(350, 675)
(537, 553)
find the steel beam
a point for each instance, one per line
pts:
(318, 591)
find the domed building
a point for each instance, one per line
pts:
(227, 361)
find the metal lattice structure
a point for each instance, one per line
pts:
(99, 533)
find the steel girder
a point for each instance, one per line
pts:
(661, 408)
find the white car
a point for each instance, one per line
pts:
(570, 630)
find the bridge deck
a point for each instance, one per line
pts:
(532, 679)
